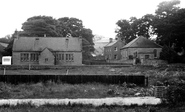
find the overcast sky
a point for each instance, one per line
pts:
(98, 15)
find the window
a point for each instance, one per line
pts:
(62, 56)
(115, 56)
(58, 57)
(24, 57)
(147, 56)
(34, 57)
(46, 59)
(135, 54)
(115, 49)
(155, 53)
(69, 57)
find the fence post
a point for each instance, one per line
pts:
(4, 71)
(146, 81)
(67, 71)
(29, 66)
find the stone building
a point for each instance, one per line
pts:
(47, 51)
(112, 51)
(141, 48)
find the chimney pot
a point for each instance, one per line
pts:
(110, 40)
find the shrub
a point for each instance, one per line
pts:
(169, 55)
(176, 92)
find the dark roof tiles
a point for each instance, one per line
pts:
(52, 43)
(141, 42)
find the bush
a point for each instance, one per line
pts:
(169, 55)
(176, 92)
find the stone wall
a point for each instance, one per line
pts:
(153, 62)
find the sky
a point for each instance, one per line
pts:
(98, 15)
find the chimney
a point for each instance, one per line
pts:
(67, 42)
(36, 42)
(110, 40)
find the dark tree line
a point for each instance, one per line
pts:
(40, 26)
(168, 24)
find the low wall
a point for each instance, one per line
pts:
(46, 67)
(153, 62)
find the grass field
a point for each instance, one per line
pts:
(91, 90)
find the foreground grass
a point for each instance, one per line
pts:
(63, 90)
(94, 90)
(89, 108)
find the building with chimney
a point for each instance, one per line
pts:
(112, 51)
(47, 51)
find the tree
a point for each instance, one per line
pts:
(130, 29)
(75, 27)
(70, 25)
(8, 49)
(124, 30)
(38, 26)
(145, 26)
(169, 24)
(167, 8)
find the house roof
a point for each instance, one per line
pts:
(4, 44)
(141, 42)
(110, 44)
(99, 47)
(2, 48)
(4, 40)
(52, 43)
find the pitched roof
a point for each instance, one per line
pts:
(141, 42)
(110, 44)
(4, 40)
(52, 43)
(4, 44)
(2, 48)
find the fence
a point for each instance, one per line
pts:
(75, 79)
(44, 67)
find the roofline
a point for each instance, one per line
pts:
(111, 45)
(47, 37)
(51, 51)
(140, 47)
